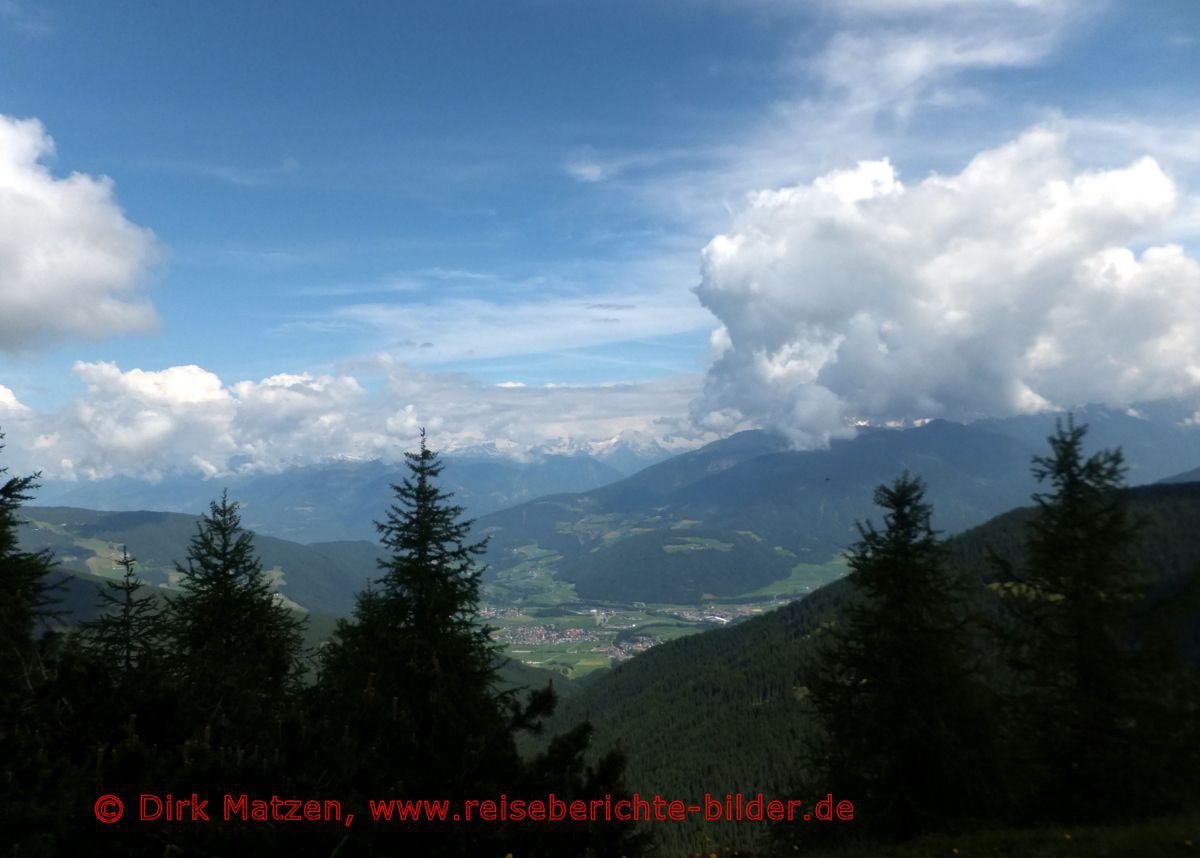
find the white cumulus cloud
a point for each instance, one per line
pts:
(140, 421)
(149, 423)
(9, 404)
(70, 262)
(1013, 286)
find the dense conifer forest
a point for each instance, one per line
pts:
(812, 698)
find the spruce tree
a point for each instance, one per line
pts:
(903, 730)
(410, 704)
(30, 769)
(24, 579)
(414, 655)
(431, 581)
(237, 649)
(129, 630)
(1083, 695)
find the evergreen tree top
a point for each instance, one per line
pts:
(423, 611)
(13, 492)
(428, 540)
(221, 553)
(130, 627)
(423, 524)
(23, 575)
(1082, 528)
(123, 591)
(907, 518)
(1071, 476)
(234, 642)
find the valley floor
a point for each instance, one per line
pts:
(542, 622)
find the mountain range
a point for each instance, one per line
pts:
(737, 514)
(721, 521)
(337, 500)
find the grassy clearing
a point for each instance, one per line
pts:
(572, 660)
(803, 579)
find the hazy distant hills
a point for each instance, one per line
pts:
(337, 500)
(322, 577)
(1159, 439)
(1192, 476)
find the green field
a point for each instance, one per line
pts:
(804, 578)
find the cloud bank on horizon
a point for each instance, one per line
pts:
(149, 424)
(1011, 287)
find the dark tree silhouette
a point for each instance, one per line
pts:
(1084, 696)
(130, 628)
(904, 731)
(24, 581)
(409, 689)
(414, 654)
(237, 650)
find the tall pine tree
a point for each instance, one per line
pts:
(1083, 695)
(29, 770)
(414, 653)
(24, 581)
(129, 629)
(411, 705)
(237, 649)
(902, 714)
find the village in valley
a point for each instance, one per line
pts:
(577, 639)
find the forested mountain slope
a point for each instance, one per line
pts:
(744, 510)
(723, 711)
(319, 577)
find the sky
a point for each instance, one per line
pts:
(239, 236)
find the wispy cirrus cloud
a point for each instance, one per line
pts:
(243, 176)
(27, 18)
(441, 316)
(472, 329)
(855, 93)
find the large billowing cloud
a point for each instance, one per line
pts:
(70, 262)
(1019, 284)
(186, 419)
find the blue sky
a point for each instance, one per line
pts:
(293, 161)
(413, 205)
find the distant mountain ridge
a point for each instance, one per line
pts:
(1159, 439)
(741, 512)
(337, 500)
(718, 521)
(1192, 476)
(321, 577)
(732, 516)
